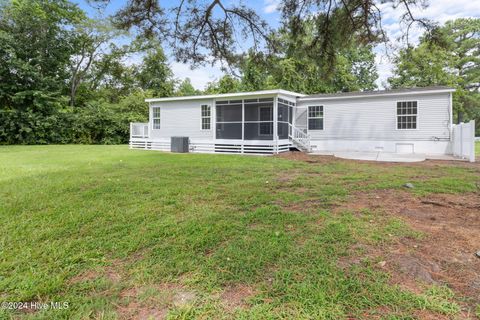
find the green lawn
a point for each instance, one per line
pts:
(113, 231)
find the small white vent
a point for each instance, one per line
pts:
(404, 148)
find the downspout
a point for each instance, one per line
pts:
(150, 125)
(275, 124)
(450, 117)
(243, 127)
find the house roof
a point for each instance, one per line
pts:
(320, 96)
(359, 94)
(228, 95)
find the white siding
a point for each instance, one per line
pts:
(181, 118)
(374, 118)
(357, 124)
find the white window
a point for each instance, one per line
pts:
(407, 115)
(156, 117)
(206, 116)
(315, 118)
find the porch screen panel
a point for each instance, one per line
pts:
(282, 112)
(284, 117)
(258, 119)
(229, 119)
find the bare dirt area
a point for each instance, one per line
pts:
(153, 302)
(302, 156)
(379, 313)
(109, 272)
(236, 296)
(445, 254)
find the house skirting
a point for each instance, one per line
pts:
(396, 146)
(217, 146)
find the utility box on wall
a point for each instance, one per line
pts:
(179, 144)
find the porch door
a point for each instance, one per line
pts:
(266, 115)
(301, 120)
(258, 123)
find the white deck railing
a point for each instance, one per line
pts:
(299, 138)
(139, 139)
(138, 130)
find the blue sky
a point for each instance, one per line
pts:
(438, 10)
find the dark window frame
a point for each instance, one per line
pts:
(206, 117)
(407, 115)
(156, 118)
(315, 114)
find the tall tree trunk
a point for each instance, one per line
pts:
(73, 92)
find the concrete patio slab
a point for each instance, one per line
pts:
(387, 156)
(381, 156)
(446, 157)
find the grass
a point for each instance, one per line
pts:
(76, 219)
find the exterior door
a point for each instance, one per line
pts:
(301, 121)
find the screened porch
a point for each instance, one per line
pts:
(254, 124)
(257, 119)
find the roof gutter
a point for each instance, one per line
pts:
(307, 98)
(229, 95)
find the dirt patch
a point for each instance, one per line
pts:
(112, 274)
(417, 268)
(135, 310)
(183, 298)
(89, 275)
(109, 272)
(154, 302)
(129, 293)
(151, 314)
(236, 296)
(310, 205)
(428, 315)
(287, 176)
(383, 312)
(301, 156)
(445, 254)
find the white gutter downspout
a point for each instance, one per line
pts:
(450, 116)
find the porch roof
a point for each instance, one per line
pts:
(228, 95)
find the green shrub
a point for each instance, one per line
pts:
(98, 122)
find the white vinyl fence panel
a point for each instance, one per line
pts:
(464, 140)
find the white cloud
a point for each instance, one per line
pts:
(271, 5)
(200, 76)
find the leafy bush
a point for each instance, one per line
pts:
(99, 122)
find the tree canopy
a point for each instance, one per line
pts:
(213, 30)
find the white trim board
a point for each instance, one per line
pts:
(227, 95)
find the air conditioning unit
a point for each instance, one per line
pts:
(179, 144)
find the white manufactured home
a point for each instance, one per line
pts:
(415, 120)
